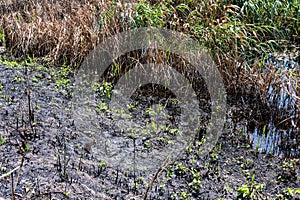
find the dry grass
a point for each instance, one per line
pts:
(63, 31)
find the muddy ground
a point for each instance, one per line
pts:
(41, 143)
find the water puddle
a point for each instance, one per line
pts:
(280, 134)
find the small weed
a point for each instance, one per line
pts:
(185, 195)
(9, 64)
(147, 144)
(62, 75)
(34, 79)
(180, 167)
(290, 164)
(290, 192)
(19, 79)
(288, 171)
(104, 89)
(7, 99)
(214, 156)
(247, 163)
(132, 135)
(227, 188)
(62, 82)
(196, 180)
(252, 190)
(102, 164)
(2, 37)
(2, 140)
(101, 107)
(27, 148)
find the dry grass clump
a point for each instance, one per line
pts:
(63, 31)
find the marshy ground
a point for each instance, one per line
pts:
(255, 45)
(54, 167)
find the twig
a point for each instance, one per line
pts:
(30, 111)
(8, 173)
(152, 181)
(12, 187)
(12, 177)
(19, 172)
(164, 164)
(291, 117)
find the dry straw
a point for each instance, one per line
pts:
(63, 31)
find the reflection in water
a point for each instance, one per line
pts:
(280, 133)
